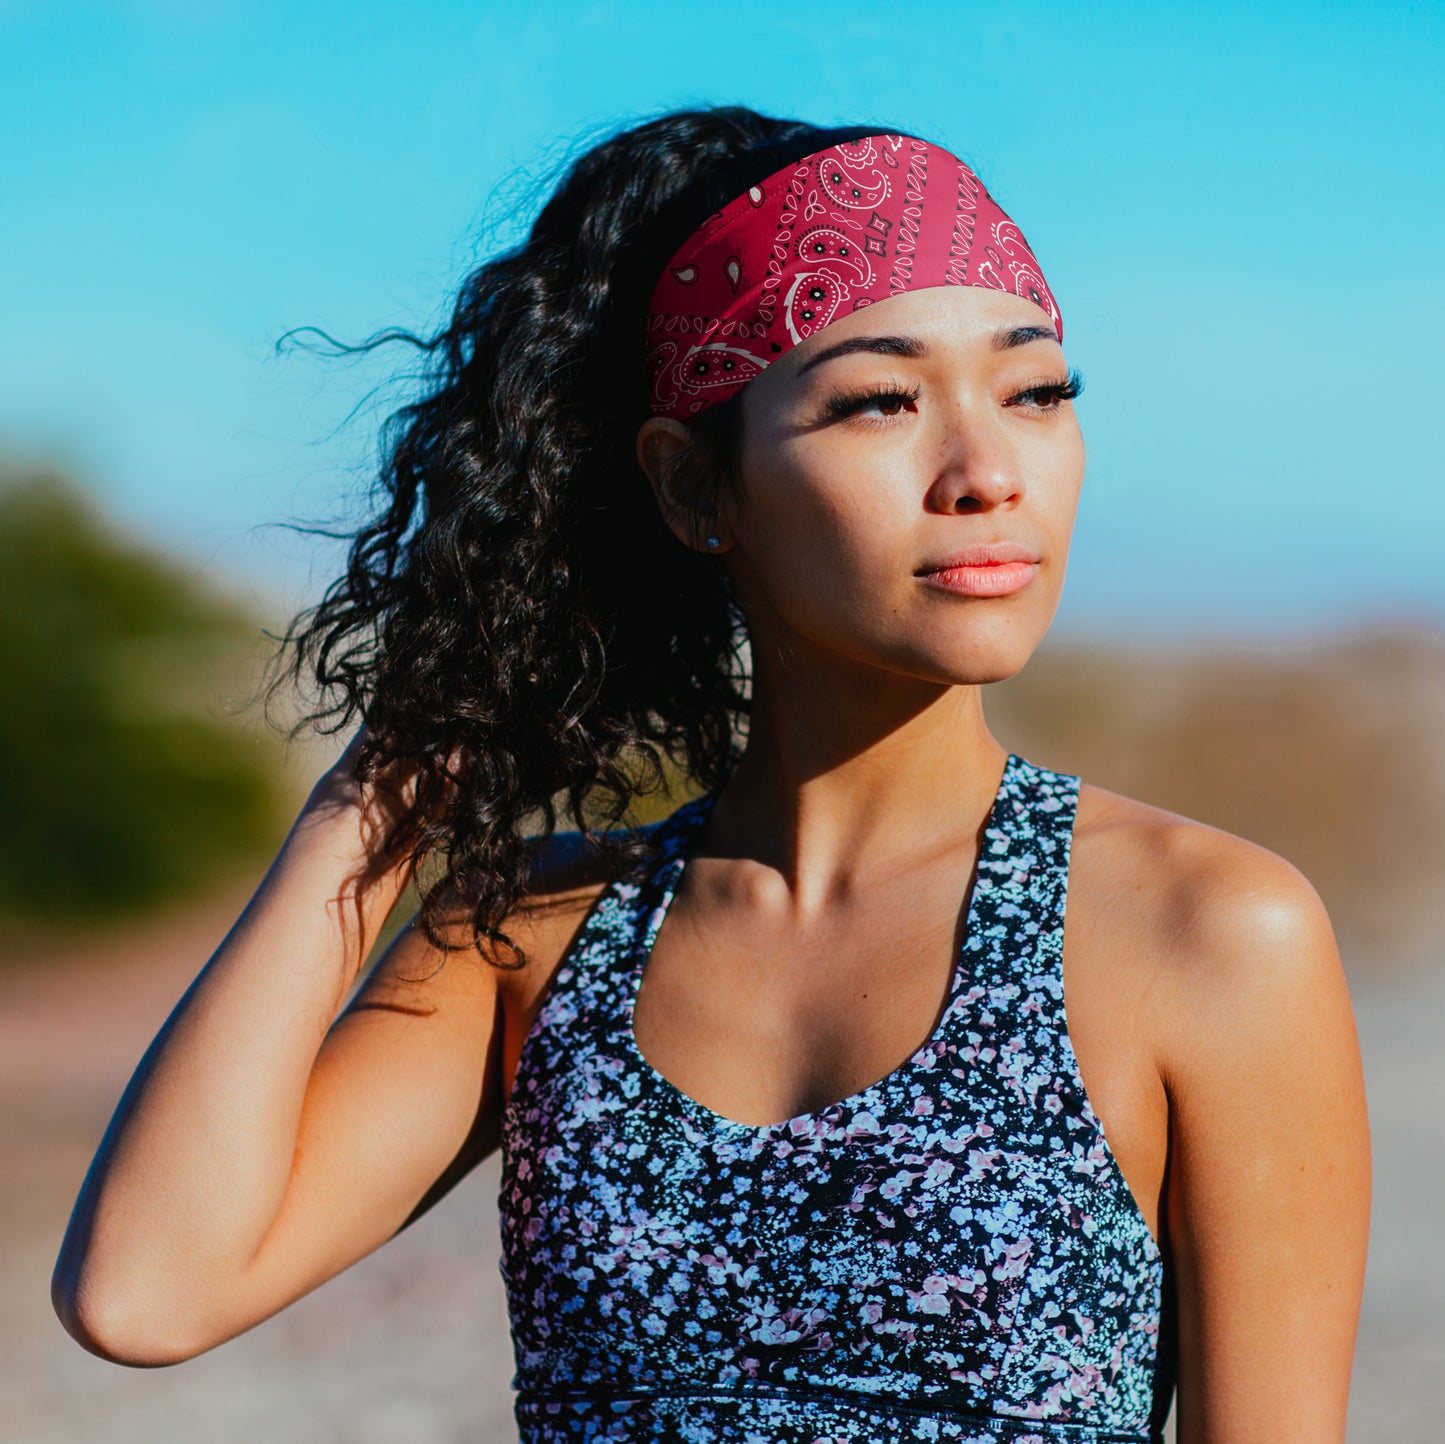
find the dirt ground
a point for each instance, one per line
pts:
(411, 1345)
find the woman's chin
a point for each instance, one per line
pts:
(988, 654)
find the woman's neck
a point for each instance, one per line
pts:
(849, 769)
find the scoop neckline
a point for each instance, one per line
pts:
(669, 872)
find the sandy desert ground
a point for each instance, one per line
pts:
(410, 1346)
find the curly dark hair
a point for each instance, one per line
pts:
(516, 624)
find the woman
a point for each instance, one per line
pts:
(767, 425)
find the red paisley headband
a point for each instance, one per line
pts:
(839, 229)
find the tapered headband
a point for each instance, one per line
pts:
(837, 230)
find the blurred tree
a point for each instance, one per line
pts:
(123, 784)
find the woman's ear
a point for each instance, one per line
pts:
(667, 453)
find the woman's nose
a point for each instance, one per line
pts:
(978, 468)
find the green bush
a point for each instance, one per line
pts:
(123, 783)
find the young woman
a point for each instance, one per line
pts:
(817, 1122)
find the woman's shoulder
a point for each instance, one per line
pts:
(570, 871)
(1235, 989)
(570, 867)
(1216, 922)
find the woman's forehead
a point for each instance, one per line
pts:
(939, 321)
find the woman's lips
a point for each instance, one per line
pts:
(988, 569)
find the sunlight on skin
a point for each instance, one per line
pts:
(860, 661)
(839, 512)
(1204, 982)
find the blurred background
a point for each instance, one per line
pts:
(1240, 209)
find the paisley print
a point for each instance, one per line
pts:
(950, 1254)
(717, 364)
(813, 300)
(852, 176)
(857, 222)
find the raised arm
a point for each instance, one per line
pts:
(264, 1144)
(1269, 1190)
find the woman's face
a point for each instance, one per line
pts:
(947, 426)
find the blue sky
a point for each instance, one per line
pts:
(1239, 207)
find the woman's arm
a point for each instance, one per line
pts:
(1269, 1176)
(259, 1149)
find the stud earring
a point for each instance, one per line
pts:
(713, 543)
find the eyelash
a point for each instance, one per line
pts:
(847, 403)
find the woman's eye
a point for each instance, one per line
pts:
(879, 405)
(1048, 395)
(888, 401)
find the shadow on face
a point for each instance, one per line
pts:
(908, 480)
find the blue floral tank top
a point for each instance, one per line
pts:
(951, 1254)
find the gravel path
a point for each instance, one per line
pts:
(410, 1346)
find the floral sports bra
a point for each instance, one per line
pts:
(951, 1254)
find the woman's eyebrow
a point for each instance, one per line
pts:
(881, 345)
(1008, 337)
(1004, 339)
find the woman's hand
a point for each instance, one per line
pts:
(380, 808)
(383, 801)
